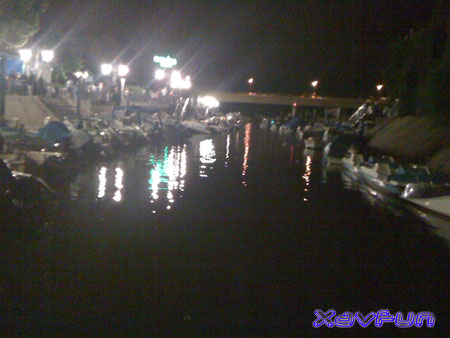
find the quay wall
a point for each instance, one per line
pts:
(422, 140)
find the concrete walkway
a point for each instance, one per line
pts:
(28, 110)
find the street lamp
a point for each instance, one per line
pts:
(47, 55)
(314, 85)
(25, 55)
(160, 74)
(122, 71)
(250, 83)
(379, 88)
(81, 77)
(106, 69)
(177, 81)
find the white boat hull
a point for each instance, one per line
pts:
(440, 205)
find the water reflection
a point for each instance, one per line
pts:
(119, 185)
(307, 174)
(207, 156)
(227, 155)
(167, 174)
(102, 182)
(247, 138)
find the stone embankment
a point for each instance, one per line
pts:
(421, 140)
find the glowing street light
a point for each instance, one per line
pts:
(379, 88)
(314, 85)
(25, 55)
(250, 83)
(47, 55)
(177, 81)
(160, 74)
(123, 70)
(106, 69)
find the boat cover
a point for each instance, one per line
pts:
(54, 131)
(293, 123)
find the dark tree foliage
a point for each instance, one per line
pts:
(419, 68)
(19, 21)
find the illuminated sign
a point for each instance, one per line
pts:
(165, 61)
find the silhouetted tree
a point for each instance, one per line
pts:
(419, 68)
(19, 21)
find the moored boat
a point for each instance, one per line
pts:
(314, 142)
(389, 176)
(435, 198)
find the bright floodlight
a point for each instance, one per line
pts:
(187, 84)
(314, 83)
(25, 55)
(47, 55)
(107, 69)
(379, 87)
(160, 74)
(122, 70)
(209, 101)
(250, 81)
(85, 75)
(175, 79)
(78, 74)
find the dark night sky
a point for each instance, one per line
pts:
(282, 44)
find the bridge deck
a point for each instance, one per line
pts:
(285, 99)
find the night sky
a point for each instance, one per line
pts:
(284, 45)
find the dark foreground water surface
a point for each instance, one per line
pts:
(241, 235)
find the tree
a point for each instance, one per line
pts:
(19, 21)
(419, 68)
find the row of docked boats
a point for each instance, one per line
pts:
(315, 136)
(414, 184)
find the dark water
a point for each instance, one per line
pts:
(239, 235)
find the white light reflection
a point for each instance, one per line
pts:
(307, 174)
(207, 155)
(119, 185)
(102, 182)
(167, 174)
(227, 155)
(247, 138)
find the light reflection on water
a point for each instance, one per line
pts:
(160, 180)
(207, 156)
(227, 155)
(102, 182)
(307, 174)
(247, 139)
(167, 174)
(119, 185)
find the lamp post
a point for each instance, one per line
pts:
(25, 56)
(250, 83)
(81, 77)
(314, 85)
(122, 72)
(47, 57)
(106, 70)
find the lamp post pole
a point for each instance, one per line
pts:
(250, 84)
(2, 85)
(379, 88)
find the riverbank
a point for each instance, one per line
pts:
(417, 139)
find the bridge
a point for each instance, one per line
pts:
(285, 99)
